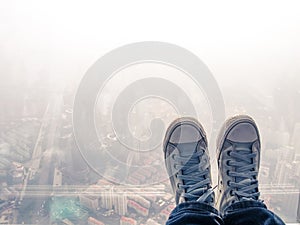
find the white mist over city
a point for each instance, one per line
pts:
(89, 88)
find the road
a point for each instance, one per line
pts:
(41, 166)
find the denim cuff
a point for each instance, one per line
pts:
(196, 207)
(243, 205)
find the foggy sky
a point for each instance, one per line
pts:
(254, 43)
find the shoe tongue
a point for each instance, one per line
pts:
(187, 149)
(243, 148)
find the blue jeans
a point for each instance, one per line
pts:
(246, 212)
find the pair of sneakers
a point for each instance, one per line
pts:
(188, 164)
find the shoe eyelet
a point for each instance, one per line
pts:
(228, 183)
(231, 192)
(173, 156)
(227, 172)
(227, 162)
(228, 153)
(221, 182)
(220, 190)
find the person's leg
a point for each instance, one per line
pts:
(250, 213)
(238, 151)
(187, 163)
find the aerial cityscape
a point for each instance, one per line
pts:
(89, 88)
(45, 178)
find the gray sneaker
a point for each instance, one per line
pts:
(238, 152)
(187, 161)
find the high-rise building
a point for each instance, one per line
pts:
(89, 202)
(295, 137)
(298, 210)
(127, 221)
(112, 197)
(67, 222)
(120, 203)
(151, 222)
(57, 178)
(138, 208)
(140, 199)
(93, 221)
(106, 200)
(284, 168)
